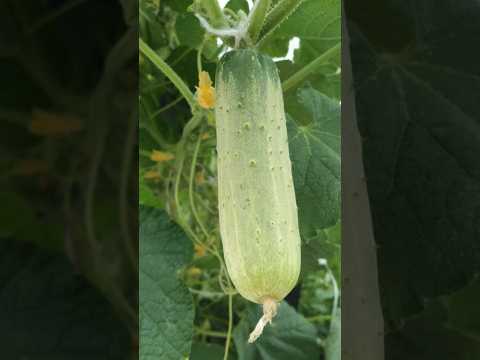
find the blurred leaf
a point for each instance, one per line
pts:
(166, 308)
(315, 155)
(49, 312)
(290, 336)
(178, 5)
(130, 10)
(426, 336)
(417, 111)
(277, 47)
(321, 245)
(206, 351)
(236, 5)
(317, 24)
(146, 195)
(18, 220)
(464, 310)
(188, 30)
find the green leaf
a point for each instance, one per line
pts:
(166, 307)
(178, 5)
(206, 351)
(315, 155)
(236, 5)
(276, 48)
(333, 345)
(290, 336)
(313, 249)
(324, 244)
(418, 110)
(188, 30)
(318, 23)
(463, 310)
(18, 220)
(50, 312)
(146, 195)
(426, 336)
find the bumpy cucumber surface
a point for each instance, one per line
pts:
(257, 206)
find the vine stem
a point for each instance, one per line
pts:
(303, 73)
(230, 325)
(190, 188)
(214, 13)
(211, 333)
(167, 71)
(257, 18)
(168, 106)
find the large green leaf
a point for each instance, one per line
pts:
(49, 312)
(207, 351)
(166, 307)
(315, 155)
(426, 336)
(317, 25)
(418, 113)
(290, 336)
(188, 30)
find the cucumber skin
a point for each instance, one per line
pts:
(257, 206)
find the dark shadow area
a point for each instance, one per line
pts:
(416, 71)
(68, 179)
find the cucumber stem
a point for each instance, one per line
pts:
(269, 311)
(214, 13)
(257, 18)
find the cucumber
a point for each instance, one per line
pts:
(257, 206)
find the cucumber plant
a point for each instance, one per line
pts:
(225, 175)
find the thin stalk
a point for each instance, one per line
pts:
(199, 56)
(214, 13)
(180, 58)
(168, 72)
(230, 325)
(190, 188)
(146, 89)
(257, 18)
(168, 106)
(297, 78)
(207, 293)
(218, 334)
(275, 17)
(181, 220)
(54, 15)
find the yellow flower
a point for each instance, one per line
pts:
(199, 250)
(205, 136)
(160, 156)
(30, 167)
(199, 178)
(194, 271)
(205, 91)
(151, 174)
(47, 123)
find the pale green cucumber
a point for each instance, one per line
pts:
(257, 206)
